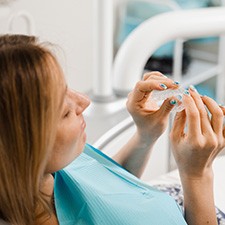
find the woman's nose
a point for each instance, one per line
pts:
(82, 101)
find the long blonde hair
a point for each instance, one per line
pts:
(31, 92)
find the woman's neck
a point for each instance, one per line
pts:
(47, 188)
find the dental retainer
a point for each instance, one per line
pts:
(160, 96)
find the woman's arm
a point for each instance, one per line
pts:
(199, 200)
(196, 139)
(135, 154)
(150, 121)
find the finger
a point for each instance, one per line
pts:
(192, 114)
(217, 114)
(153, 73)
(166, 107)
(222, 107)
(143, 89)
(177, 130)
(204, 118)
(159, 76)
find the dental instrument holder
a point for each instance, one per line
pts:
(160, 96)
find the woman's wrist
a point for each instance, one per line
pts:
(201, 178)
(199, 198)
(144, 140)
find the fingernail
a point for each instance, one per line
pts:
(192, 87)
(163, 86)
(164, 76)
(176, 82)
(221, 105)
(186, 92)
(173, 102)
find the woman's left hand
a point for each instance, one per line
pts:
(150, 119)
(197, 135)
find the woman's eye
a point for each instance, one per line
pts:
(67, 113)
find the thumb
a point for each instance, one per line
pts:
(167, 106)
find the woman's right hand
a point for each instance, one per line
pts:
(196, 145)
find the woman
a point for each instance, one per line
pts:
(42, 130)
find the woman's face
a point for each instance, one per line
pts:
(70, 136)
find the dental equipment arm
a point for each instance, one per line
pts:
(156, 31)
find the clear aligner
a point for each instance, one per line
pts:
(160, 96)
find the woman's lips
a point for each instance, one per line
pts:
(83, 124)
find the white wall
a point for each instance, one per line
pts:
(69, 25)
